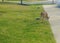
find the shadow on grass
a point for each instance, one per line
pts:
(24, 4)
(14, 3)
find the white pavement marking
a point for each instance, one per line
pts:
(54, 14)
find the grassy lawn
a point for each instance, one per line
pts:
(18, 24)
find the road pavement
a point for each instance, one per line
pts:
(54, 14)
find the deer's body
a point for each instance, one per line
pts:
(44, 15)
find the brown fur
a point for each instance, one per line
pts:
(44, 15)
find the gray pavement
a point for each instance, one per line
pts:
(54, 14)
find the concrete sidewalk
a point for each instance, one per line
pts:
(54, 14)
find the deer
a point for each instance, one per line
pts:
(44, 15)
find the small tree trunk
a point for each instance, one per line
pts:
(2, 0)
(53, 1)
(21, 2)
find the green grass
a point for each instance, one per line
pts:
(18, 24)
